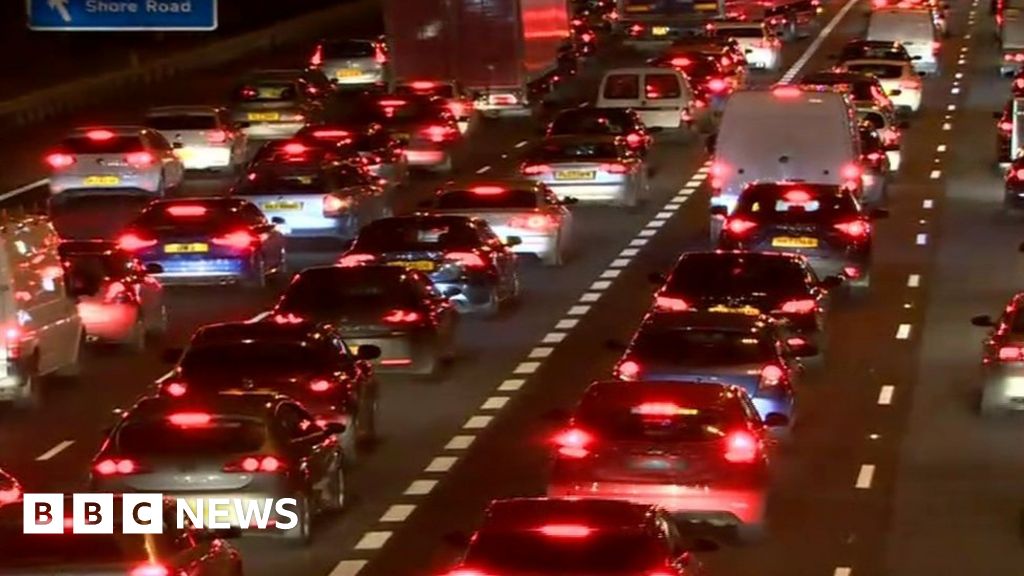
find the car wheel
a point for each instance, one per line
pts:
(302, 533)
(336, 498)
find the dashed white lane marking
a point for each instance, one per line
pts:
(655, 224)
(511, 385)
(664, 214)
(494, 403)
(420, 487)
(951, 107)
(521, 143)
(913, 281)
(348, 568)
(398, 513)
(946, 126)
(441, 464)
(927, 204)
(629, 252)
(958, 75)
(935, 175)
(60, 447)
(885, 394)
(599, 285)
(806, 56)
(541, 352)
(578, 310)
(477, 422)
(553, 338)
(637, 242)
(590, 297)
(921, 239)
(903, 332)
(647, 233)
(460, 442)
(526, 368)
(865, 476)
(610, 274)
(842, 571)
(940, 148)
(483, 170)
(373, 540)
(566, 324)
(619, 263)
(954, 90)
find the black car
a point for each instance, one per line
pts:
(1004, 133)
(464, 258)
(605, 121)
(873, 50)
(750, 283)
(823, 223)
(709, 79)
(285, 354)
(875, 161)
(380, 151)
(396, 310)
(293, 152)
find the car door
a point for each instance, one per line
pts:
(309, 446)
(666, 98)
(271, 240)
(504, 259)
(173, 169)
(620, 89)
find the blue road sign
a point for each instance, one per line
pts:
(122, 15)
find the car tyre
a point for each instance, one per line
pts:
(336, 500)
(302, 533)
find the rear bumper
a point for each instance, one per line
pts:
(426, 156)
(909, 101)
(400, 353)
(536, 244)
(344, 228)
(617, 193)
(719, 505)
(108, 322)
(179, 271)
(475, 296)
(148, 181)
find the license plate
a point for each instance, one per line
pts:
(194, 248)
(421, 265)
(348, 73)
(787, 242)
(745, 310)
(102, 180)
(283, 206)
(264, 116)
(575, 175)
(659, 31)
(401, 136)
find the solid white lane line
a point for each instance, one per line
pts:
(373, 540)
(511, 385)
(913, 281)
(420, 487)
(921, 239)
(477, 422)
(885, 394)
(460, 442)
(541, 352)
(398, 513)
(809, 53)
(526, 368)
(553, 338)
(441, 464)
(903, 332)
(60, 447)
(566, 324)
(348, 568)
(864, 477)
(494, 403)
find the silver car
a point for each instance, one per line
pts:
(115, 157)
(352, 62)
(589, 169)
(1002, 361)
(275, 104)
(514, 208)
(204, 136)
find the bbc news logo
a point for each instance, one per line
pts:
(144, 513)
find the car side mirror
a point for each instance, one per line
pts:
(276, 220)
(513, 241)
(171, 355)
(368, 352)
(656, 278)
(896, 92)
(915, 58)
(334, 428)
(154, 268)
(983, 321)
(878, 214)
(456, 539)
(830, 282)
(452, 291)
(776, 420)
(801, 348)
(719, 211)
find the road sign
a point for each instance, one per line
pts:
(122, 15)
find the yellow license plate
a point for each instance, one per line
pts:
(705, 6)
(194, 248)
(400, 135)
(787, 242)
(659, 31)
(264, 116)
(745, 310)
(102, 180)
(421, 265)
(283, 206)
(575, 175)
(348, 73)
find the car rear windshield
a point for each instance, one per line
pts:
(715, 275)
(440, 90)
(701, 347)
(199, 216)
(472, 200)
(882, 71)
(161, 437)
(257, 358)
(416, 235)
(612, 552)
(581, 152)
(798, 205)
(628, 417)
(356, 291)
(403, 109)
(622, 87)
(113, 145)
(590, 122)
(44, 551)
(661, 86)
(285, 183)
(740, 32)
(267, 92)
(182, 122)
(348, 49)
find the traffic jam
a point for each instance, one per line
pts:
(302, 285)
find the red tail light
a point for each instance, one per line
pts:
(636, 29)
(467, 572)
(12, 342)
(875, 157)
(175, 389)
(565, 530)
(851, 172)
(628, 370)
(1018, 84)
(856, 229)
(256, 464)
(217, 136)
(239, 240)
(186, 210)
(321, 385)
(936, 46)
(615, 168)
(534, 222)
(149, 570)
(879, 3)
(140, 159)
(131, 242)
(379, 56)
(742, 447)
(1005, 126)
(350, 260)
(318, 57)
(99, 135)
(190, 419)
(334, 205)
(739, 226)
(787, 92)
(669, 304)
(458, 109)
(440, 133)
(116, 467)
(402, 317)
(717, 85)
(10, 495)
(58, 160)
(116, 291)
(573, 443)
(634, 139)
(1011, 354)
(771, 376)
(466, 259)
(331, 134)
(1016, 174)
(587, 37)
(802, 306)
(680, 62)
(294, 148)
(534, 169)
(910, 84)
(488, 190)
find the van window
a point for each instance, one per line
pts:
(622, 87)
(662, 86)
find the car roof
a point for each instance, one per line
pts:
(195, 109)
(706, 321)
(426, 219)
(515, 514)
(512, 183)
(837, 77)
(697, 393)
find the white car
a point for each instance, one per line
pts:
(899, 80)
(203, 136)
(115, 157)
(762, 48)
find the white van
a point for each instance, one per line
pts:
(40, 331)
(782, 134)
(915, 29)
(661, 96)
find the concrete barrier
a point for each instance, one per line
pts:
(47, 103)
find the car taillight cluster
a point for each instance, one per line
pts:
(1005, 126)
(771, 376)
(269, 464)
(1015, 175)
(854, 229)
(153, 569)
(349, 260)
(739, 226)
(335, 205)
(59, 160)
(140, 159)
(134, 242)
(1011, 354)
(116, 467)
(799, 306)
(12, 342)
(534, 169)
(636, 30)
(238, 240)
(399, 316)
(465, 259)
(670, 304)
(321, 385)
(574, 443)
(628, 370)
(217, 136)
(439, 133)
(1019, 57)
(534, 222)
(118, 293)
(742, 447)
(317, 59)
(717, 85)
(614, 168)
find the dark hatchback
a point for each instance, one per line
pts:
(608, 121)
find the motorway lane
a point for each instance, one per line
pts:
(959, 495)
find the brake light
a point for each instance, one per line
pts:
(1018, 84)
(439, 133)
(458, 109)
(880, 3)
(131, 242)
(487, 190)
(534, 222)
(534, 169)
(467, 572)
(350, 260)
(1017, 174)
(573, 443)
(726, 61)
(288, 318)
(801, 306)
(321, 385)
(1019, 57)
(115, 466)
(680, 62)
(10, 495)
(739, 226)
(771, 376)
(628, 370)
(741, 447)
(1005, 126)
(331, 134)
(58, 160)
(115, 291)
(217, 136)
(391, 103)
(186, 210)
(188, 419)
(851, 172)
(636, 29)
(503, 99)
(379, 56)
(175, 389)
(239, 240)
(140, 159)
(12, 342)
(294, 148)
(565, 530)
(466, 259)
(634, 139)
(786, 92)
(854, 229)
(99, 135)
(660, 409)
(875, 157)
(256, 464)
(402, 317)
(797, 197)
(615, 168)
(149, 570)
(717, 85)
(668, 304)
(587, 37)
(333, 205)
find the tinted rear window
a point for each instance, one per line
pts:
(713, 275)
(883, 71)
(199, 215)
(257, 358)
(701, 347)
(267, 92)
(416, 235)
(353, 292)
(469, 200)
(19, 550)
(589, 122)
(114, 145)
(599, 553)
(798, 205)
(159, 437)
(875, 52)
(622, 87)
(556, 151)
(348, 49)
(629, 418)
(661, 86)
(183, 122)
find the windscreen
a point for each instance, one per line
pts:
(161, 437)
(701, 347)
(347, 292)
(589, 122)
(182, 122)
(45, 551)
(256, 358)
(416, 235)
(717, 275)
(532, 552)
(97, 145)
(575, 152)
(874, 53)
(267, 92)
(348, 49)
(475, 200)
(628, 417)
(881, 71)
